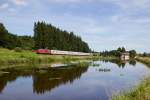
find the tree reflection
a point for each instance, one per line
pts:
(43, 80)
(121, 63)
(132, 62)
(55, 77)
(10, 76)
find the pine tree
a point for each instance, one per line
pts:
(48, 36)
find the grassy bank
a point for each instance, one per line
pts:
(142, 91)
(144, 60)
(11, 57)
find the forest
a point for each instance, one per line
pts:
(51, 37)
(45, 36)
(11, 41)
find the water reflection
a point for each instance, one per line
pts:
(43, 80)
(121, 63)
(10, 75)
(132, 62)
(97, 81)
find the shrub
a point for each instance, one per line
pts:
(18, 49)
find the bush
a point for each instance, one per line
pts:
(18, 49)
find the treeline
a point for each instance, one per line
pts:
(45, 36)
(118, 52)
(11, 41)
(48, 36)
(145, 54)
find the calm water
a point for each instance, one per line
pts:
(97, 81)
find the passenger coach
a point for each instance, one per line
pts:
(59, 52)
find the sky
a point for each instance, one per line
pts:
(103, 24)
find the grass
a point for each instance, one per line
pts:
(11, 57)
(145, 60)
(142, 91)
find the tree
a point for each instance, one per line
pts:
(123, 49)
(132, 53)
(11, 41)
(119, 49)
(117, 53)
(3, 35)
(48, 36)
(45, 36)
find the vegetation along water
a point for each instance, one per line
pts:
(140, 92)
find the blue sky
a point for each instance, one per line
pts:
(104, 24)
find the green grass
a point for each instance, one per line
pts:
(11, 57)
(145, 60)
(142, 91)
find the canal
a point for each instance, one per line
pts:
(98, 80)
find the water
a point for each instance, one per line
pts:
(97, 81)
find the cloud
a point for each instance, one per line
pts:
(4, 6)
(104, 24)
(133, 4)
(70, 1)
(20, 2)
(124, 4)
(12, 10)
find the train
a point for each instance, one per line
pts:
(60, 52)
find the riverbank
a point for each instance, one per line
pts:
(144, 60)
(142, 91)
(12, 57)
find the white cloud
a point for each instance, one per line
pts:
(12, 10)
(4, 6)
(70, 1)
(125, 4)
(127, 26)
(128, 5)
(20, 2)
